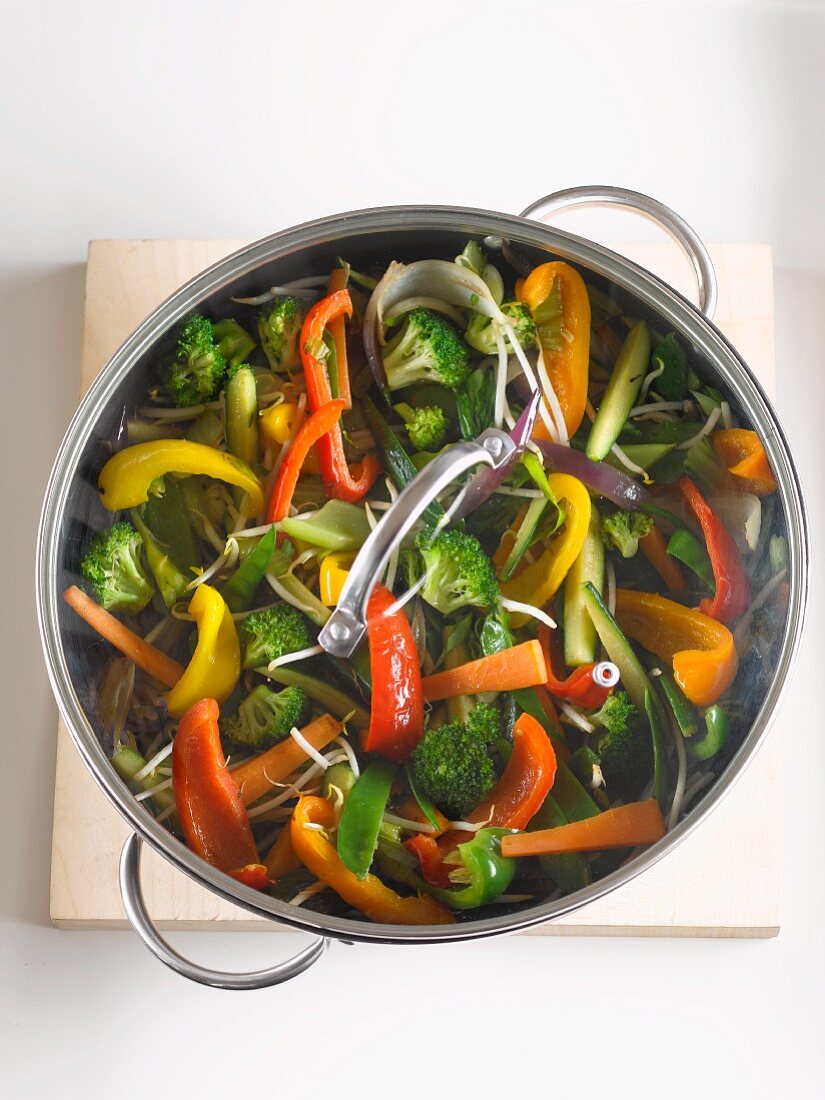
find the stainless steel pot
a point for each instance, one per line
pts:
(72, 507)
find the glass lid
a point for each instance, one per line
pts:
(564, 654)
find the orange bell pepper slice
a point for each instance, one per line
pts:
(567, 357)
(369, 895)
(743, 455)
(700, 649)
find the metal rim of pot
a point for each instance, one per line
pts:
(710, 345)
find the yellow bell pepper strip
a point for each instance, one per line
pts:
(276, 424)
(743, 455)
(368, 895)
(332, 575)
(538, 582)
(125, 479)
(566, 351)
(701, 649)
(215, 666)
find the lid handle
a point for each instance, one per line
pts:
(346, 626)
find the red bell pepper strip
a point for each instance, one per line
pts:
(212, 814)
(430, 859)
(339, 481)
(525, 782)
(579, 688)
(513, 802)
(317, 425)
(733, 590)
(397, 711)
(254, 875)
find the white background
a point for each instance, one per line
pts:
(214, 119)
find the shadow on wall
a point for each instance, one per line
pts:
(41, 315)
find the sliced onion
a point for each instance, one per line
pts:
(598, 476)
(450, 283)
(424, 301)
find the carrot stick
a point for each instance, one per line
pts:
(338, 281)
(654, 548)
(259, 775)
(162, 668)
(624, 827)
(522, 666)
(282, 859)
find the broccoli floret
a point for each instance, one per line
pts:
(485, 721)
(427, 426)
(615, 713)
(479, 334)
(428, 348)
(623, 530)
(279, 327)
(266, 716)
(625, 750)
(112, 565)
(197, 368)
(459, 573)
(452, 764)
(266, 635)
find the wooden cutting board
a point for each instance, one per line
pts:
(722, 881)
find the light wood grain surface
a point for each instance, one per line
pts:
(723, 880)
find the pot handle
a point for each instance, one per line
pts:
(135, 906)
(675, 226)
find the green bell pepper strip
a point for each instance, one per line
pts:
(686, 548)
(361, 820)
(239, 590)
(716, 726)
(685, 713)
(488, 871)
